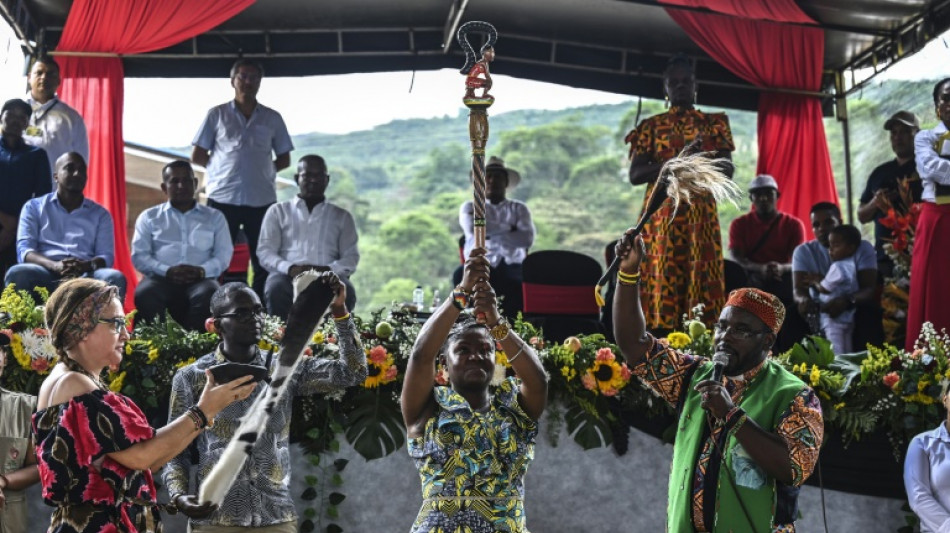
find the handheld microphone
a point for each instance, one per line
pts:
(719, 360)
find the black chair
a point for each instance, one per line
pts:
(734, 274)
(558, 290)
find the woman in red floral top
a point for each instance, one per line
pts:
(95, 448)
(683, 265)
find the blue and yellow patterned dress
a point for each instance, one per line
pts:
(473, 464)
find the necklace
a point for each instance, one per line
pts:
(73, 365)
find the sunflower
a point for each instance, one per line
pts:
(380, 368)
(606, 376)
(678, 340)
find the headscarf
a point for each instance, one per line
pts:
(85, 317)
(766, 306)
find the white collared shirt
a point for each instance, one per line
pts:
(509, 231)
(930, 165)
(166, 237)
(241, 168)
(292, 235)
(927, 479)
(56, 128)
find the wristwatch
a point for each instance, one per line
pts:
(500, 330)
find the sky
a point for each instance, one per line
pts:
(164, 112)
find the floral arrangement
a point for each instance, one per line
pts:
(901, 218)
(23, 325)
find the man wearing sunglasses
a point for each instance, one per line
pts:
(260, 497)
(749, 431)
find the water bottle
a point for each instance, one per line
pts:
(435, 300)
(418, 297)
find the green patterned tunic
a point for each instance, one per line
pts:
(472, 464)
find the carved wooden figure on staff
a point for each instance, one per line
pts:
(478, 76)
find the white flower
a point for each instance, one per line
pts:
(499, 375)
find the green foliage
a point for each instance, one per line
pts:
(812, 350)
(374, 425)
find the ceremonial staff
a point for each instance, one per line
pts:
(477, 77)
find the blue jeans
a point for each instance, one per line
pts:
(29, 276)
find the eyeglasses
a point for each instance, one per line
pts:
(118, 324)
(244, 315)
(739, 332)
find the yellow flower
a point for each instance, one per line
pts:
(839, 406)
(153, 354)
(266, 346)
(184, 363)
(678, 340)
(128, 348)
(318, 338)
(824, 395)
(116, 384)
(815, 376)
(501, 358)
(380, 372)
(23, 358)
(568, 372)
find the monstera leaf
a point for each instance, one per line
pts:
(812, 350)
(374, 424)
(587, 428)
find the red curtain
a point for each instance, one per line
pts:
(792, 145)
(777, 10)
(95, 85)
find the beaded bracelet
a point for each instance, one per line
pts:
(625, 278)
(735, 419)
(195, 419)
(460, 298)
(201, 420)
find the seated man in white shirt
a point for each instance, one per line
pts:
(180, 247)
(509, 232)
(306, 233)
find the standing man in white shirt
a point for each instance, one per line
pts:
(509, 233)
(54, 126)
(180, 247)
(307, 233)
(235, 144)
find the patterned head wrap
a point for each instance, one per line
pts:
(85, 317)
(764, 305)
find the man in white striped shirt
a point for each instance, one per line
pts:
(306, 233)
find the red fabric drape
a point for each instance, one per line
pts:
(777, 10)
(792, 145)
(95, 85)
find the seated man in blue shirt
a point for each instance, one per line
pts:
(180, 247)
(812, 260)
(24, 174)
(64, 235)
(306, 233)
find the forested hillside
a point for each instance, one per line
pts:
(404, 181)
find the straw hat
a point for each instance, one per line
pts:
(495, 163)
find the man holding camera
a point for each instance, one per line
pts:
(881, 192)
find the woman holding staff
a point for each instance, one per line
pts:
(472, 444)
